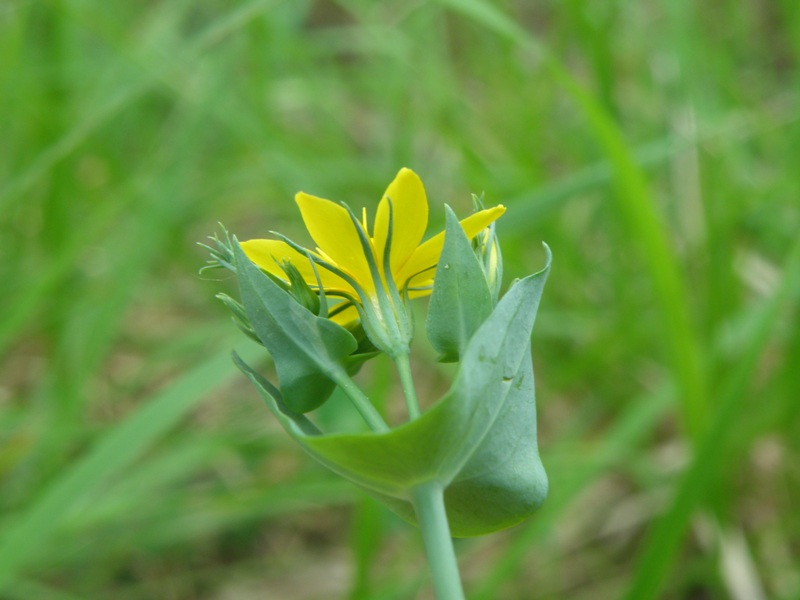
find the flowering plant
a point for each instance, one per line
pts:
(468, 465)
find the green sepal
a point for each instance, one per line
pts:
(220, 250)
(309, 352)
(300, 289)
(239, 316)
(461, 300)
(366, 349)
(478, 441)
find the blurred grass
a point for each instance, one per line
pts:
(653, 146)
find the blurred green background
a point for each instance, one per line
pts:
(654, 145)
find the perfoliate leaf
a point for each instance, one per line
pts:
(309, 352)
(461, 298)
(479, 440)
(504, 480)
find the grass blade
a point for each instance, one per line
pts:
(111, 454)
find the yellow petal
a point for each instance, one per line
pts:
(409, 215)
(335, 234)
(423, 282)
(426, 256)
(268, 254)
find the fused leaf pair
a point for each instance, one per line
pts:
(478, 441)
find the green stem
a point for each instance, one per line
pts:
(409, 392)
(429, 506)
(369, 413)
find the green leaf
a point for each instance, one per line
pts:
(461, 298)
(308, 351)
(479, 439)
(504, 480)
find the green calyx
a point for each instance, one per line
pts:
(386, 316)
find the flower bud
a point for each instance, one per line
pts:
(487, 248)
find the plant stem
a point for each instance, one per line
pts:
(409, 392)
(368, 412)
(429, 506)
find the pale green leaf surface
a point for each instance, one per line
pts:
(504, 480)
(461, 299)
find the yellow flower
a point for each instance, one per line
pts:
(339, 243)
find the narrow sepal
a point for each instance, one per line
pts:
(239, 316)
(304, 295)
(221, 252)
